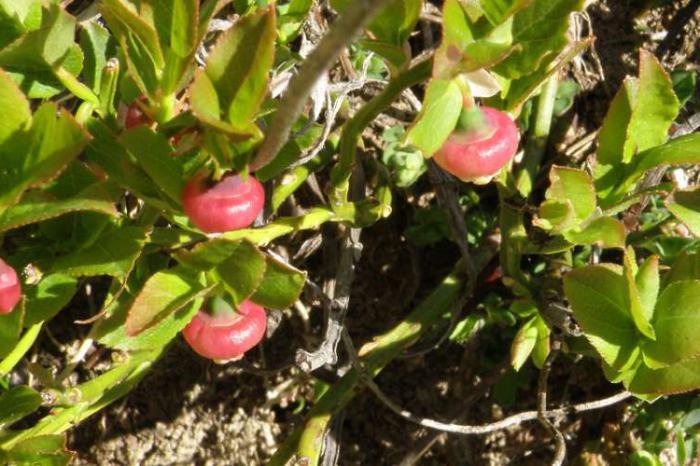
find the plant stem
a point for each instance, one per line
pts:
(306, 441)
(537, 146)
(340, 175)
(92, 396)
(20, 349)
(358, 14)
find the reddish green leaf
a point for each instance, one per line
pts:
(162, 295)
(95, 198)
(281, 285)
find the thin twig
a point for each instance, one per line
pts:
(505, 423)
(447, 198)
(327, 352)
(344, 30)
(560, 452)
(680, 20)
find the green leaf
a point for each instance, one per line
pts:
(243, 271)
(162, 295)
(45, 47)
(17, 403)
(95, 198)
(684, 85)
(281, 285)
(139, 39)
(32, 160)
(11, 329)
(685, 206)
(613, 132)
(97, 44)
(291, 19)
(239, 66)
(648, 283)
(177, 24)
(45, 299)
(113, 253)
(497, 11)
(575, 186)
(523, 343)
(438, 118)
(154, 154)
(43, 450)
(207, 255)
(542, 346)
(597, 296)
(677, 378)
(606, 232)
(679, 151)
(396, 21)
(16, 112)
(556, 216)
(655, 107)
(540, 29)
(108, 153)
(676, 319)
(686, 267)
(641, 315)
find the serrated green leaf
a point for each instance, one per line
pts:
(163, 294)
(16, 112)
(606, 232)
(43, 450)
(597, 297)
(281, 285)
(243, 271)
(108, 153)
(677, 378)
(30, 160)
(685, 206)
(556, 216)
(95, 198)
(153, 153)
(684, 85)
(177, 24)
(540, 29)
(680, 151)
(575, 186)
(239, 66)
(655, 107)
(45, 299)
(613, 132)
(641, 315)
(18, 402)
(676, 319)
(438, 118)
(113, 253)
(497, 11)
(139, 40)
(96, 43)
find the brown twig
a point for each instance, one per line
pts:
(560, 451)
(505, 423)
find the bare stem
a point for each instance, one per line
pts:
(560, 452)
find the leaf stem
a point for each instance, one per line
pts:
(23, 345)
